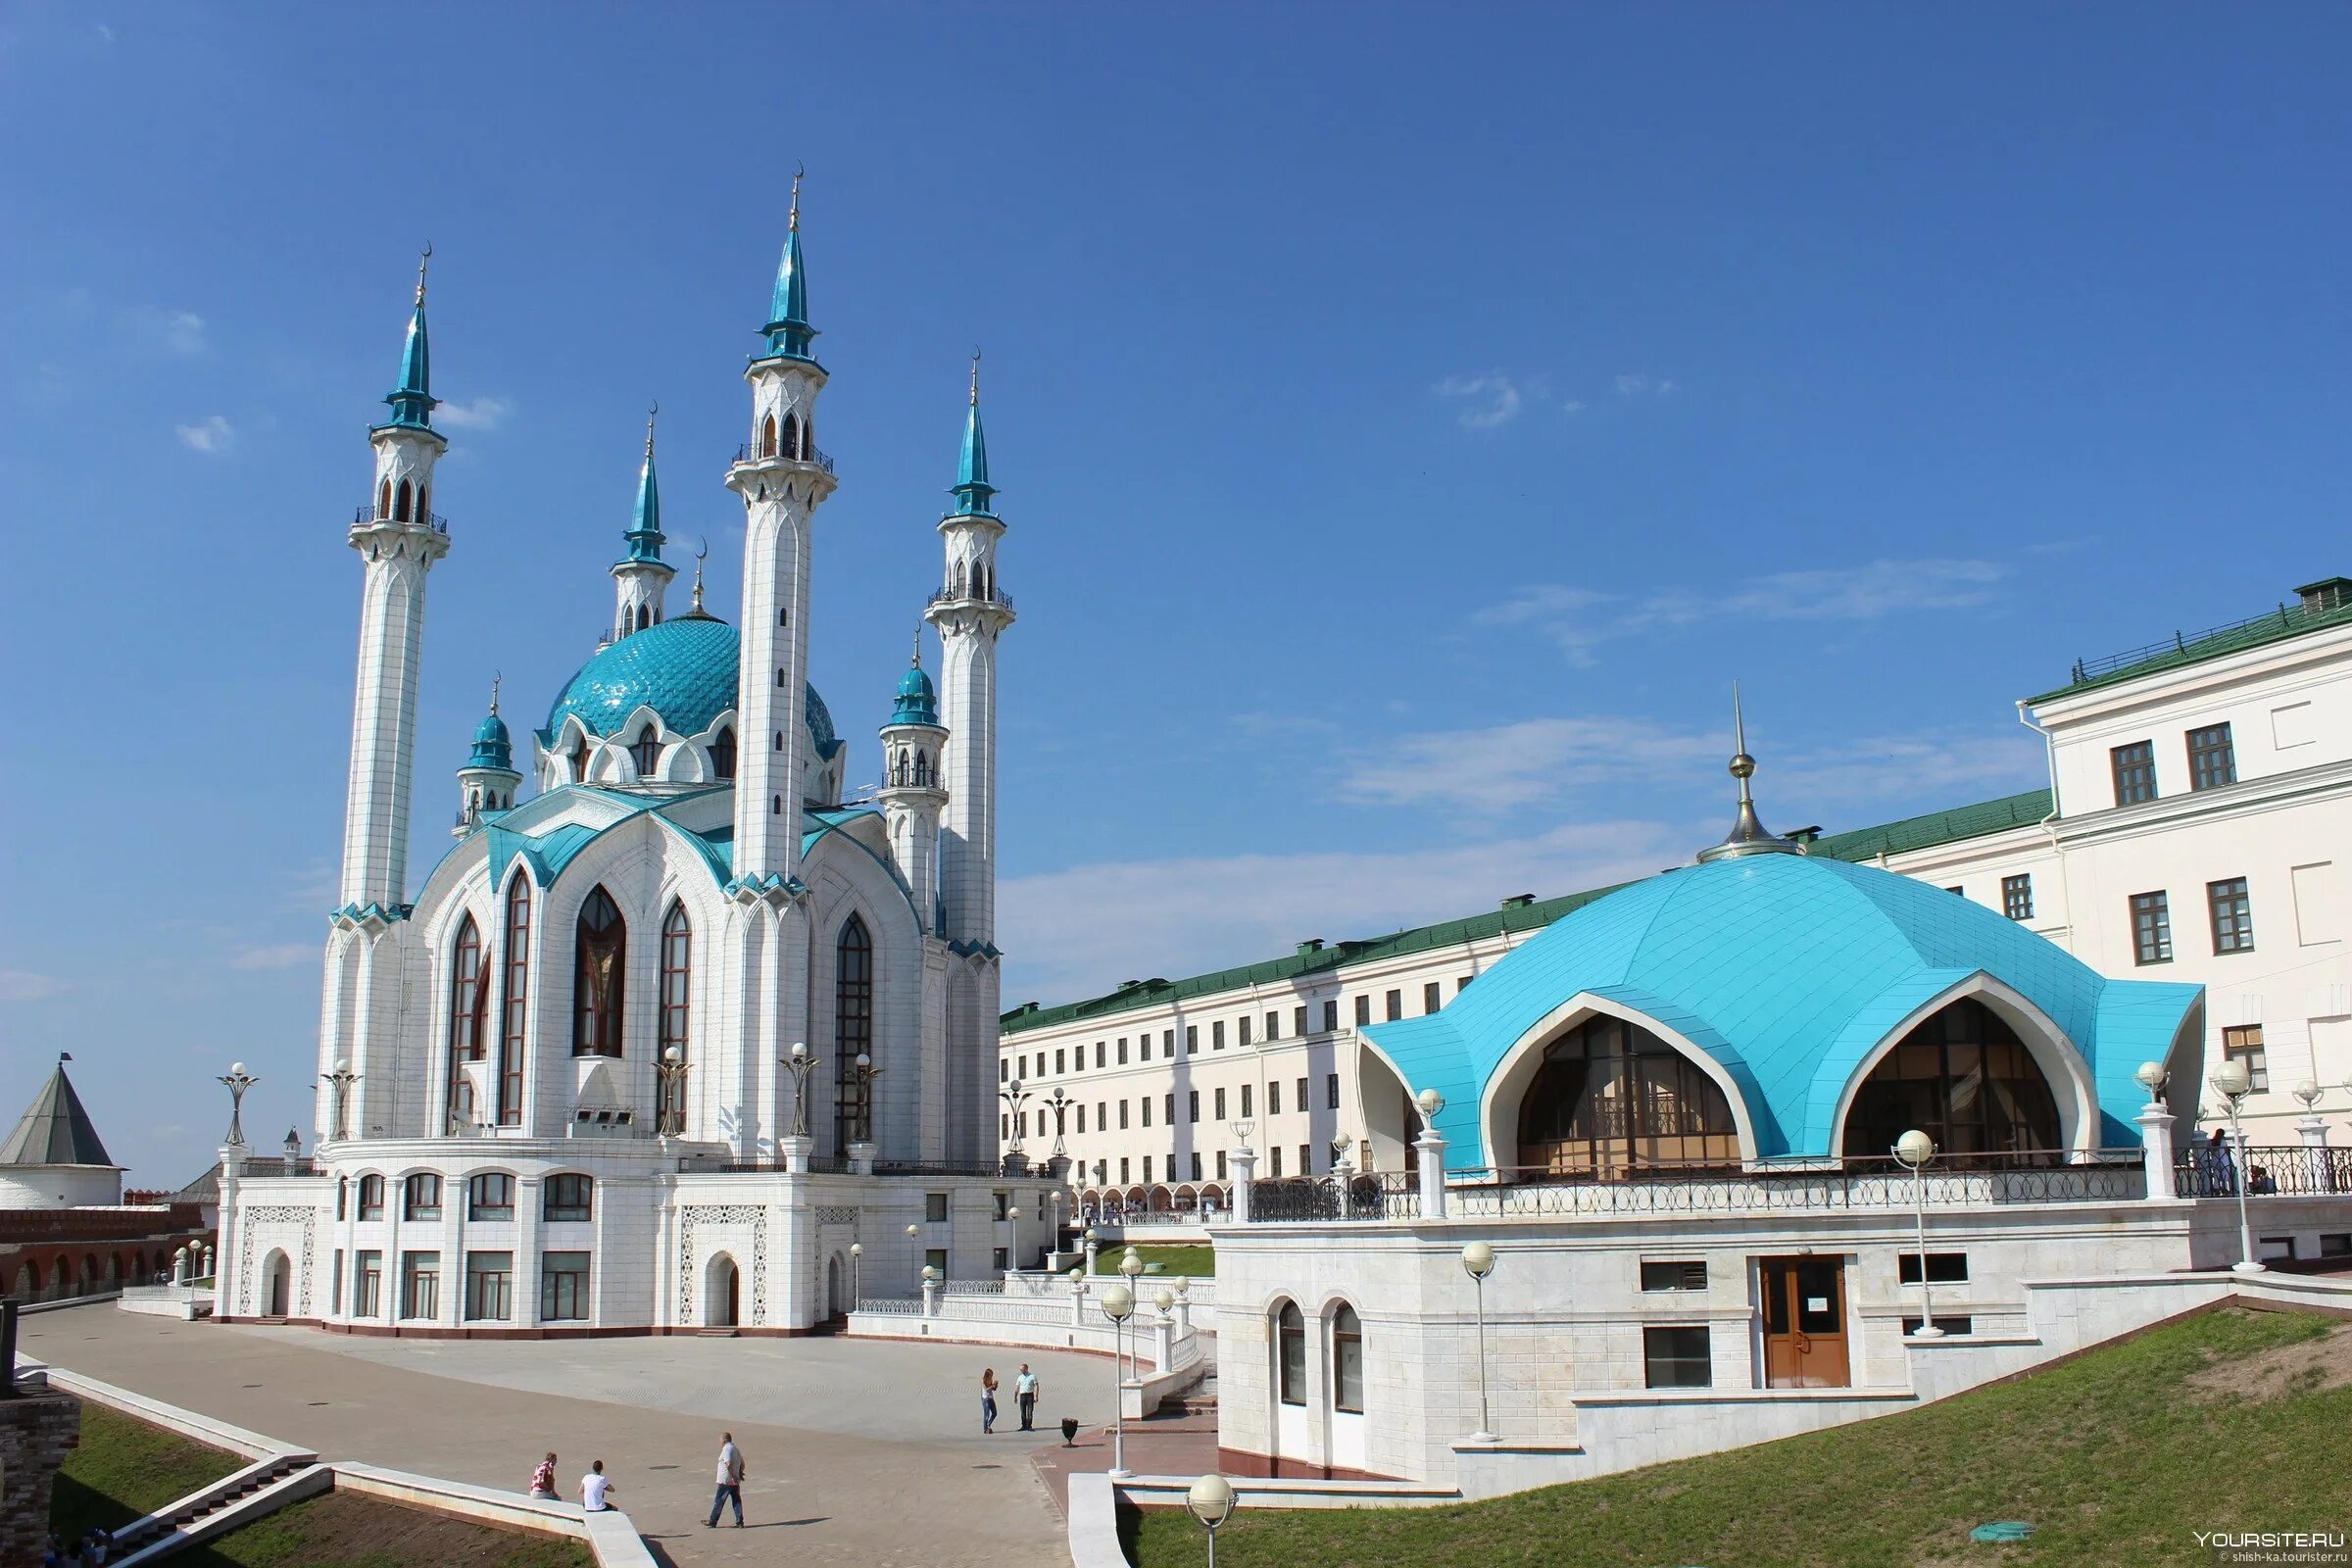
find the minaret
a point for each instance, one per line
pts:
(399, 538)
(643, 576)
(914, 787)
(970, 615)
(782, 478)
(486, 783)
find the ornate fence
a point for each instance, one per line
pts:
(2283, 1172)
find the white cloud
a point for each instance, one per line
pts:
(183, 331)
(1641, 386)
(1505, 767)
(1490, 399)
(106, 34)
(23, 985)
(179, 331)
(213, 434)
(280, 956)
(1093, 926)
(1573, 407)
(482, 414)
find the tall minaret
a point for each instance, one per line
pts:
(970, 614)
(782, 478)
(914, 787)
(641, 576)
(400, 539)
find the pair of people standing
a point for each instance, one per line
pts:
(1024, 1393)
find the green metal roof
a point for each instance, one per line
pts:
(2288, 621)
(55, 1130)
(1860, 843)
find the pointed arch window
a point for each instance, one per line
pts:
(383, 499)
(646, 754)
(468, 1018)
(792, 443)
(603, 940)
(517, 1001)
(767, 437)
(722, 753)
(399, 502)
(853, 1031)
(1612, 1099)
(677, 976)
(580, 753)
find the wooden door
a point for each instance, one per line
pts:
(1805, 1322)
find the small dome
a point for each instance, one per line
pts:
(683, 669)
(918, 703)
(492, 746)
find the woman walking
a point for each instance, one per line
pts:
(988, 1399)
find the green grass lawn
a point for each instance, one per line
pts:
(343, 1530)
(1199, 1261)
(2231, 1420)
(126, 1469)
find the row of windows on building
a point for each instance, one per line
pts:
(1026, 1067)
(2212, 762)
(489, 1287)
(2228, 913)
(489, 1196)
(1018, 1123)
(1196, 1165)
(645, 751)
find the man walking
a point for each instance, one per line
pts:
(1024, 1390)
(730, 1482)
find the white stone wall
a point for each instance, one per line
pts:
(60, 1186)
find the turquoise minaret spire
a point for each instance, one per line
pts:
(788, 331)
(973, 489)
(645, 534)
(413, 400)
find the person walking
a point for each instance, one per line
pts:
(988, 1399)
(596, 1490)
(1024, 1393)
(730, 1482)
(543, 1478)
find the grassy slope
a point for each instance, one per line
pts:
(343, 1530)
(2110, 1457)
(1198, 1261)
(126, 1469)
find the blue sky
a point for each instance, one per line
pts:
(1408, 423)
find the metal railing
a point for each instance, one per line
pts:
(753, 452)
(819, 1164)
(972, 1286)
(952, 595)
(369, 514)
(1368, 1195)
(2213, 639)
(2279, 1171)
(277, 1165)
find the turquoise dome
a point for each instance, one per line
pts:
(917, 703)
(683, 669)
(491, 746)
(1788, 971)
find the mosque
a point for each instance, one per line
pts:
(683, 1038)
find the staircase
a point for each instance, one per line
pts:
(1199, 1400)
(145, 1539)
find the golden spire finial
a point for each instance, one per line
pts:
(650, 416)
(420, 264)
(495, 678)
(975, 375)
(800, 172)
(918, 645)
(701, 550)
(1743, 766)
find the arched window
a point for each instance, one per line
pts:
(1963, 1078)
(383, 499)
(399, 502)
(580, 753)
(767, 437)
(852, 1033)
(371, 1196)
(677, 974)
(424, 513)
(1613, 1099)
(646, 754)
(1346, 1360)
(1289, 1354)
(603, 940)
(517, 1001)
(468, 1017)
(722, 753)
(490, 1195)
(792, 437)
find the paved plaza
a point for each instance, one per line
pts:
(860, 1452)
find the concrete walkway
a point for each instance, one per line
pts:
(862, 1452)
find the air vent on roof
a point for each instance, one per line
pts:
(1519, 900)
(2328, 593)
(1310, 945)
(1806, 835)
(1129, 985)
(1026, 1007)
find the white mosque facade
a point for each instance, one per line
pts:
(682, 1040)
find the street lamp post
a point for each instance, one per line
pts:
(1060, 1106)
(340, 1081)
(1131, 1264)
(1118, 1302)
(671, 1069)
(863, 1072)
(1210, 1500)
(2233, 1081)
(238, 1081)
(857, 1275)
(1478, 1262)
(1913, 1151)
(799, 1064)
(1014, 1097)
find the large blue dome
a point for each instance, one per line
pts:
(1787, 970)
(683, 669)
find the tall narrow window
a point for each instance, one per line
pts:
(646, 754)
(2134, 772)
(1290, 1355)
(767, 437)
(722, 755)
(596, 985)
(580, 753)
(1346, 1360)
(2244, 1043)
(677, 973)
(399, 502)
(791, 436)
(2232, 915)
(2151, 928)
(517, 1001)
(2212, 757)
(383, 499)
(468, 1018)
(853, 1031)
